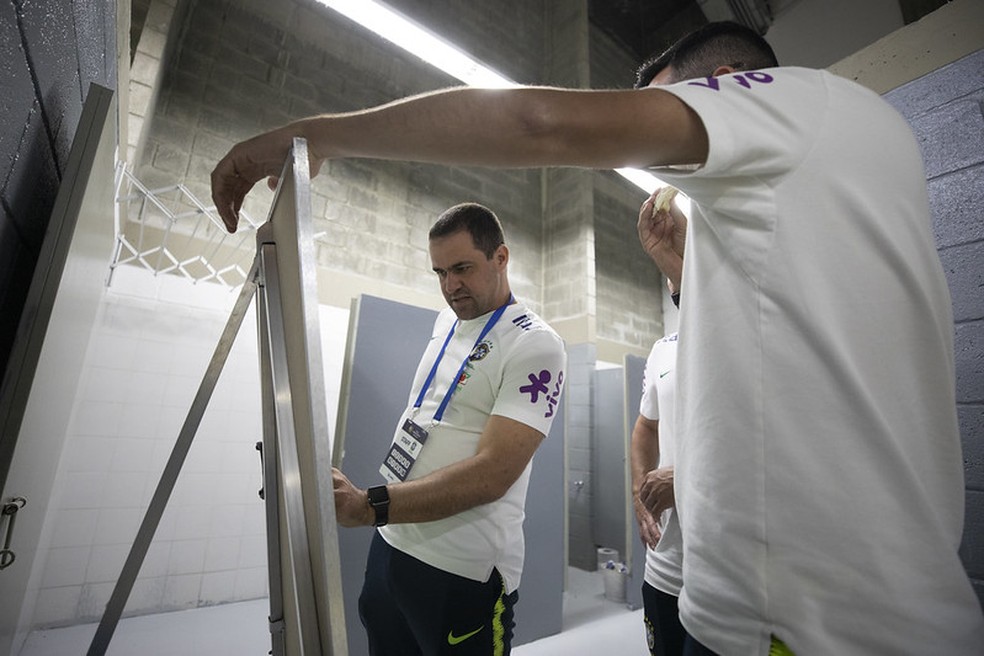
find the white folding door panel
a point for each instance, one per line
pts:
(37, 395)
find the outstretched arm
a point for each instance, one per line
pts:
(504, 449)
(524, 127)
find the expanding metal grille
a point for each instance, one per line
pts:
(170, 231)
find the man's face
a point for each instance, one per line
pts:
(471, 283)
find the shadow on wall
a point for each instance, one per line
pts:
(28, 197)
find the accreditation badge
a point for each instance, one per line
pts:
(403, 452)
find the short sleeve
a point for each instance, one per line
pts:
(759, 123)
(533, 380)
(649, 404)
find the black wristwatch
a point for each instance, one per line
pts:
(379, 501)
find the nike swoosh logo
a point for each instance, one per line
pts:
(453, 639)
(664, 373)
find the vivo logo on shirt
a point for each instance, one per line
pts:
(742, 79)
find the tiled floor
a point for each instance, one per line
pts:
(592, 625)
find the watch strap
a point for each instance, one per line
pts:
(379, 502)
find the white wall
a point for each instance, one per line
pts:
(817, 33)
(151, 345)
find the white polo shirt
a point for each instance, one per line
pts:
(820, 481)
(517, 371)
(664, 563)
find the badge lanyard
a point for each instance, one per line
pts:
(430, 377)
(410, 439)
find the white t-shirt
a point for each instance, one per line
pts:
(517, 371)
(820, 484)
(664, 564)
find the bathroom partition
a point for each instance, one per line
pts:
(616, 396)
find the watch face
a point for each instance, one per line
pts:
(378, 495)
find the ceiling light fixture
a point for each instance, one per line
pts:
(418, 40)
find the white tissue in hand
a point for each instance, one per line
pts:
(664, 198)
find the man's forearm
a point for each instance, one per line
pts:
(446, 492)
(527, 127)
(643, 452)
(504, 451)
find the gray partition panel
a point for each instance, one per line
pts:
(635, 557)
(386, 339)
(385, 342)
(539, 612)
(610, 461)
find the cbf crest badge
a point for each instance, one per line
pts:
(480, 351)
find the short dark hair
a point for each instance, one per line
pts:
(480, 222)
(699, 53)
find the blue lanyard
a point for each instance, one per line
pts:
(454, 383)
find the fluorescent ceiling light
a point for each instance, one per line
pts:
(417, 40)
(650, 183)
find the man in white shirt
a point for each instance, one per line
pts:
(652, 473)
(445, 563)
(822, 463)
(652, 456)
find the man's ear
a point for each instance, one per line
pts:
(723, 70)
(501, 255)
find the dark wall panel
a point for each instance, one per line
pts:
(51, 50)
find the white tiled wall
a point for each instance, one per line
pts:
(152, 344)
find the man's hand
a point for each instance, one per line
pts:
(249, 162)
(656, 491)
(351, 504)
(663, 236)
(648, 526)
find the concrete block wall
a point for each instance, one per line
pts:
(243, 67)
(569, 290)
(508, 35)
(568, 205)
(612, 66)
(51, 51)
(945, 111)
(629, 284)
(247, 66)
(149, 40)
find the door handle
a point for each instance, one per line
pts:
(9, 513)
